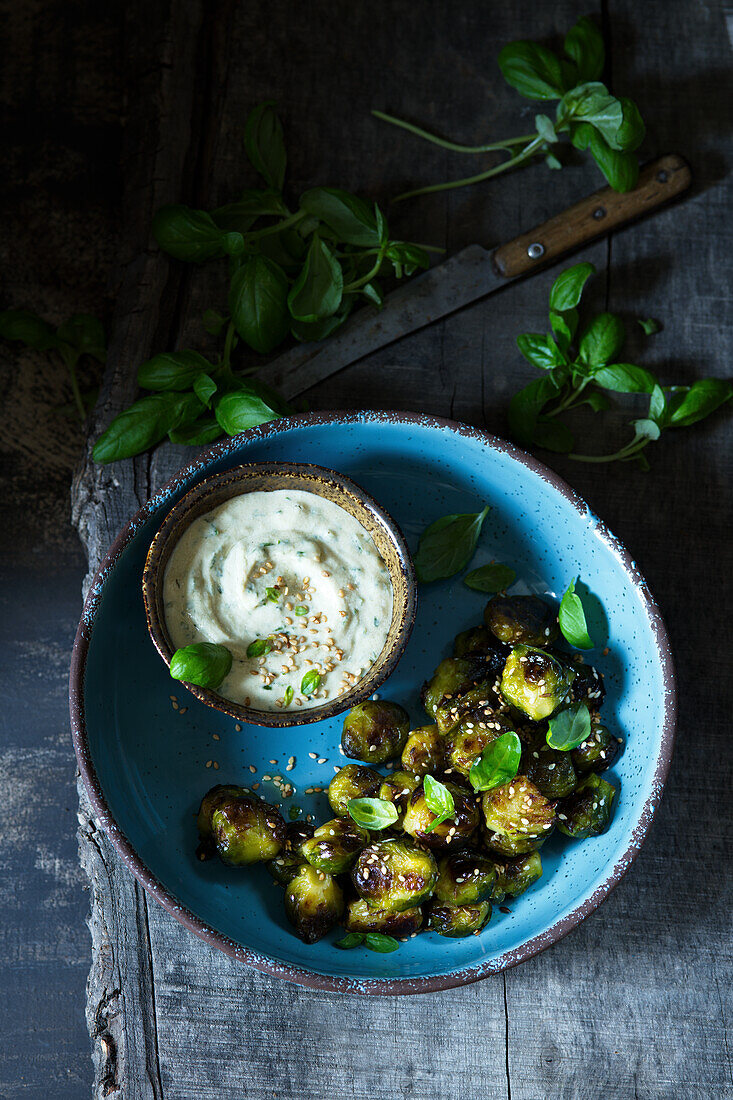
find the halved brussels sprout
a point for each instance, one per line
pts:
(353, 781)
(597, 752)
(397, 788)
(423, 751)
(550, 770)
(475, 641)
(518, 817)
(587, 687)
(285, 866)
(465, 743)
(521, 619)
(588, 811)
(314, 903)
(517, 875)
(335, 845)
(478, 701)
(456, 675)
(246, 830)
(458, 920)
(361, 917)
(455, 830)
(375, 731)
(210, 801)
(465, 878)
(394, 874)
(535, 682)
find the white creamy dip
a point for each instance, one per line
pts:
(289, 569)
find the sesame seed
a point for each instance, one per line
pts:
(216, 736)
(325, 573)
(209, 763)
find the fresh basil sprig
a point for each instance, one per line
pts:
(447, 545)
(493, 577)
(372, 813)
(439, 801)
(569, 728)
(204, 664)
(374, 941)
(310, 682)
(587, 116)
(260, 647)
(571, 618)
(498, 763)
(579, 365)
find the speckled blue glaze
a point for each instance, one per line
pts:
(145, 763)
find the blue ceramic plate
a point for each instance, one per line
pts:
(144, 762)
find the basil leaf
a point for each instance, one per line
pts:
(597, 401)
(319, 330)
(658, 405)
(581, 134)
(377, 941)
(592, 103)
(545, 129)
(264, 144)
(447, 545)
(272, 594)
(526, 406)
(301, 610)
(373, 294)
(498, 763)
(552, 162)
(493, 577)
(540, 350)
(584, 44)
(701, 399)
(260, 647)
(567, 289)
(86, 334)
(258, 303)
(646, 429)
(172, 370)
(624, 378)
(553, 435)
(602, 340)
(318, 289)
(372, 813)
(571, 618)
(213, 321)
(403, 254)
(564, 326)
(239, 216)
(310, 682)
(533, 70)
(632, 130)
(351, 939)
(243, 409)
(439, 801)
(649, 325)
(198, 434)
(28, 328)
(288, 696)
(351, 219)
(193, 235)
(570, 728)
(204, 387)
(143, 425)
(203, 664)
(620, 169)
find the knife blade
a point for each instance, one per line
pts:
(474, 273)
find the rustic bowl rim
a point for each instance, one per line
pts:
(382, 667)
(312, 979)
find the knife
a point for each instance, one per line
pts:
(474, 273)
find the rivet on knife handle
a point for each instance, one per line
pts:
(593, 216)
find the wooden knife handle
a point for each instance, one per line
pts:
(595, 216)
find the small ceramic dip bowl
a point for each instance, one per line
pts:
(299, 478)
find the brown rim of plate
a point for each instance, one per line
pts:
(312, 979)
(360, 505)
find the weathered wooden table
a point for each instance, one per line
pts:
(634, 1003)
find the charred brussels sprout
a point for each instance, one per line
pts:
(470, 737)
(397, 788)
(209, 803)
(476, 640)
(423, 751)
(375, 731)
(518, 818)
(465, 878)
(246, 830)
(517, 875)
(353, 781)
(534, 682)
(588, 810)
(550, 770)
(479, 701)
(314, 903)
(521, 619)
(335, 845)
(285, 866)
(394, 874)
(456, 675)
(597, 752)
(458, 920)
(587, 687)
(455, 830)
(361, 917)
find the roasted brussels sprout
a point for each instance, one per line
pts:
(394, 874)
(588, 686)
(597, 752)
(464, 878)
(517, 875)
(455, 830)
(550, 770)
(352, 781)
(423, 751)
(479, 701)
(335, 845)
(285, 866)
(314, 903)
(587, 812)
(361, 917)
(534, 682)
(470, 737)
(518, 818)
(458, 920)
(521, 619)
(397, 788)
(375, 731)
(476, 640)
(456, 675)
(244, 829)
(210, 801)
